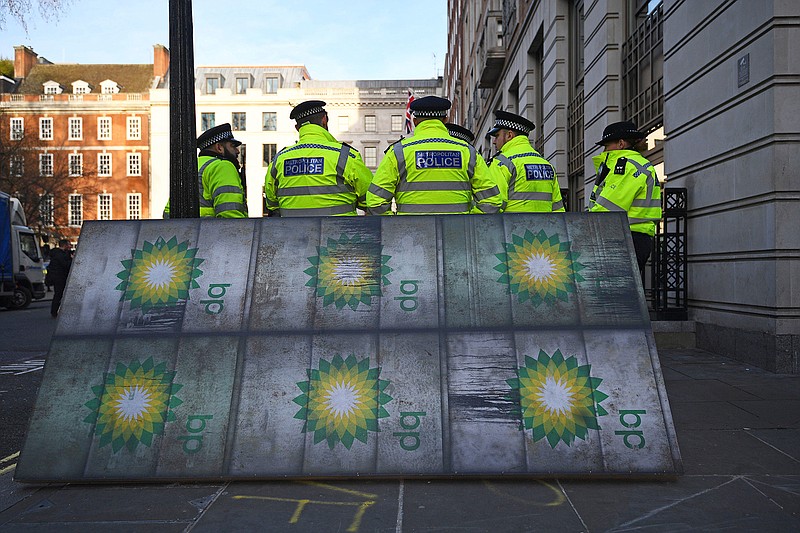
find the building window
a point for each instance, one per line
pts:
(271, 85)
(269, 153)
(81, 87)
(45, 164)
(46, 209)
(212, 84)
(75, 164)
(75, 209)
(134, 164)
(17, 128)
(344, 123)
(104, 206)
(46, 129)
(242, 84)
(75, 128)
(134, 128)
(269, 121)
(16, 165)
(104, 164)
(52, 87)
(397, 123)
(207, 121)
(370, 123)
(104, 129)
(134, 211)
(371, 156)
(109, 87)
(239, 121)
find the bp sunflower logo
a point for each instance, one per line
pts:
(539, 268)
(159, 274)
(133, 404)
(348, 272)
(342, 400)
(558, 399)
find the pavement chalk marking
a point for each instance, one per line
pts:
(302, 503)
(9, 468)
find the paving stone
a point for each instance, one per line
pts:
(770, 387)
(693, 503)
(785, 440)
(707, 452)
(705, 390)
(690, 416)
(780, 413)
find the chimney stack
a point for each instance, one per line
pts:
(24, 60)
(160, 60)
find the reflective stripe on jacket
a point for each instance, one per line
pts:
(528, 181)
(432, 173)
(636, 192)
(317, 176)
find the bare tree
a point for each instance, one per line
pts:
(25, 175)
(20, 10)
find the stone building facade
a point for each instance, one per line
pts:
(714, 83)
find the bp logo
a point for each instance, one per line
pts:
(159, 274)
(539, 268)
(133, 404)
(558, 399)
(342, 401)
(348, 272)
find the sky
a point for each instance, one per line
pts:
(357, 39)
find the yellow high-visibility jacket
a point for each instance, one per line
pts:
(527, 181)
(630, 185)
(317, 176)
(432, 173)
(220, 188)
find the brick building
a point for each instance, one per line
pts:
(77, 140)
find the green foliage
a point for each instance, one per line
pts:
(6, 67)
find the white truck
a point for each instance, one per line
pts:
(21, 263)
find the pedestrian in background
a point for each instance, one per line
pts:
(626, 182)
(58, 270)
(527, 180)
(317, 176)
(431, 172)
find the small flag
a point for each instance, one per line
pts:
(409, 122)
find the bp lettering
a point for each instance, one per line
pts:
(215, 291)
(301, 166)
(631, 419)
(438, 159)
(409, 440)
(539, 172)
(195, 426)
(409, 288)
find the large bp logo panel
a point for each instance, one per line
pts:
(383, 346)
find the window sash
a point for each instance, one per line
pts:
(75, 164)
(45, 164)
(46, 129)
(104, 205)
(134, 206)
(135, 164)
(17, 128)
(75, 209)
(134, 128)
(75, 128)
(104, 128)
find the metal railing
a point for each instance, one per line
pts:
(669, 263)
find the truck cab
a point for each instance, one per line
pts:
(21, 263)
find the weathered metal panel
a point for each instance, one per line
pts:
(513, 344)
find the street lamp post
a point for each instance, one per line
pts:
(183, 190)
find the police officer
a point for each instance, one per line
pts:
(317, 176)
(627, 182)
(430, 172)
(219, 182)
(460, 132)
(527, 180)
